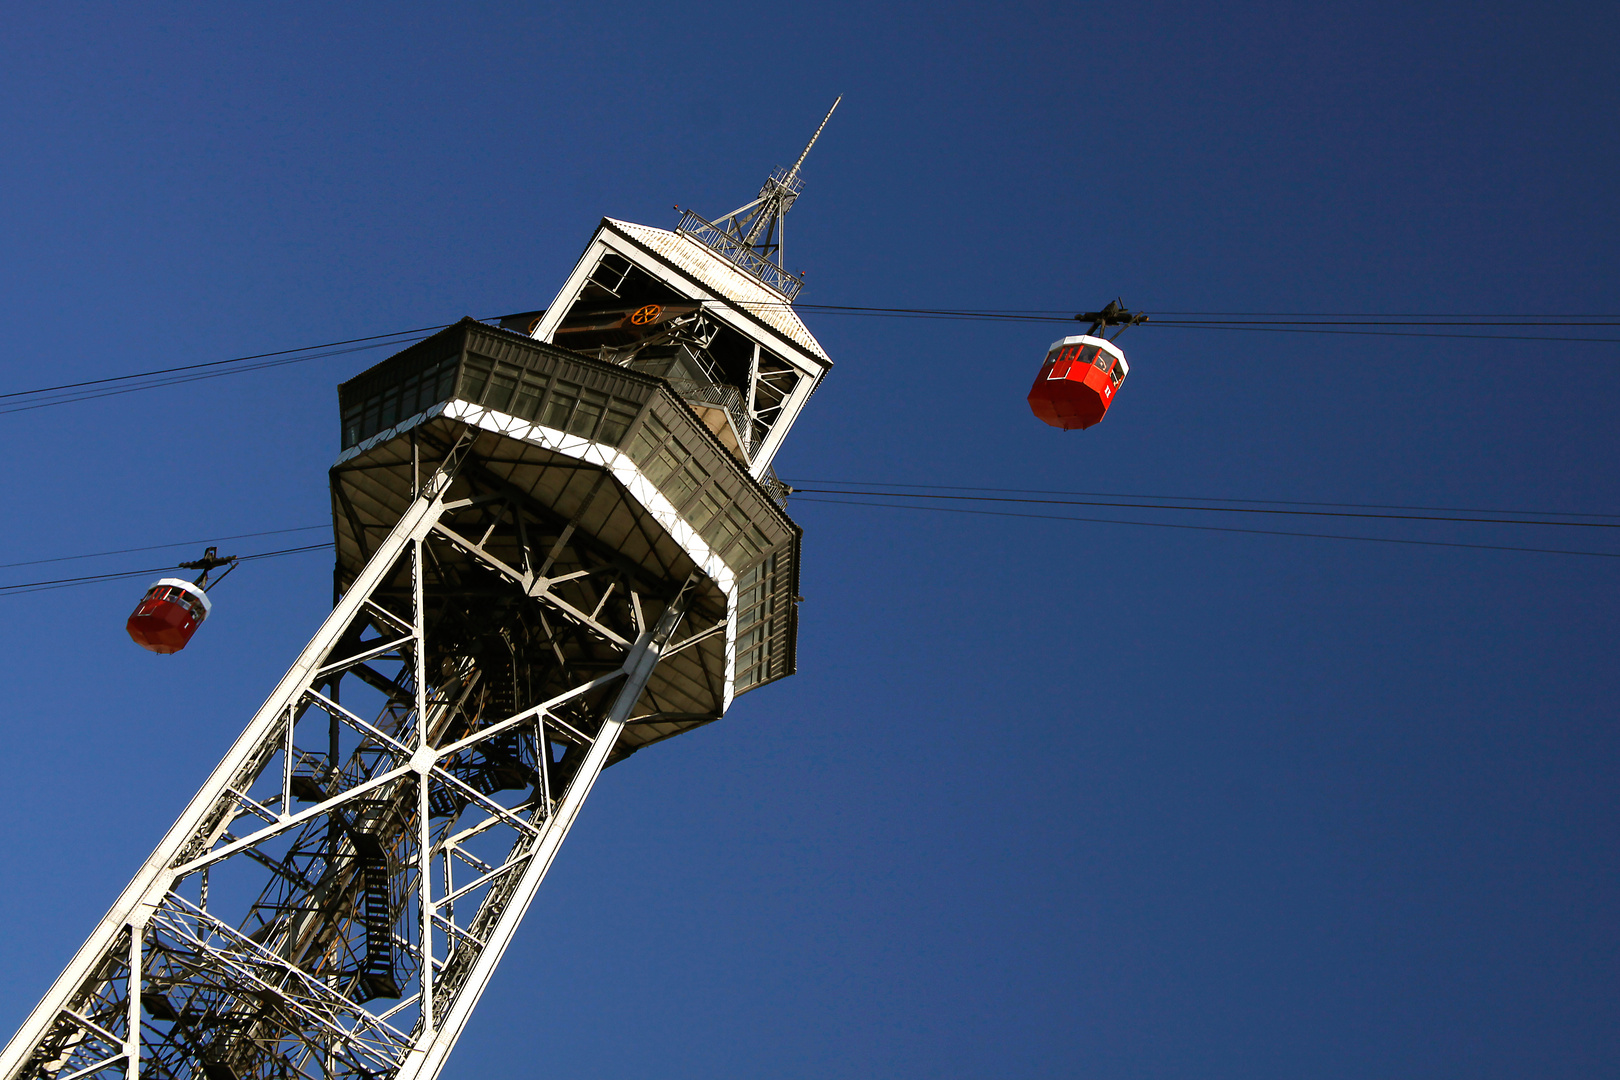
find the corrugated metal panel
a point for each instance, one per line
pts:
(508, 380)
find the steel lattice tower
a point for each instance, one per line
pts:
(558, 541)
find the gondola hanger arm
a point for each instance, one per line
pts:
(1113, 314)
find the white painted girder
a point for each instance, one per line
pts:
(150, 907)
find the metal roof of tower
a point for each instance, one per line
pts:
(708, 307)
(744, 291)
(752, 236)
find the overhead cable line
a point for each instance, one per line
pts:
(1211, 509)
(1224, 529)
(867, 497)
(1164, 318)
(88, 579)
(160, 547)
(1386, 321)
(1263, 322)
(1205, 498)
(856, 488)
(1272, 324)
(89, 389)
(93, 391)
(1351, 317)
(1515, 318)
(216, 363)
(1389, 333)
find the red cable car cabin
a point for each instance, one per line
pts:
(1078, 381)
(168, 615)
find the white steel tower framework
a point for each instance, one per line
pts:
(547, 559)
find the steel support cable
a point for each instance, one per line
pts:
(1292, 329)
(1514, 324)
(1390, 333)
(86, 389)
(1212, 509)
(1196, 319)
(175, 380)
(1223, 529)
(1275, 322)
(1075, 495)
(1246, 317)
(219, 363)
(89, 579)
(1288, 326)
(160, 547)
(865, 498)
(1201, 498)
(1516, 319)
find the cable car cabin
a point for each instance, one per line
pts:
(1078, 381)
(168, 615)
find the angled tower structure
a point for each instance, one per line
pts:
(708, 308)
(557, 543)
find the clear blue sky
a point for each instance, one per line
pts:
(1045, 799)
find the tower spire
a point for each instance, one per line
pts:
(791, 180)
(752, 234)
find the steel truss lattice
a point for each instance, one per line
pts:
(334, 900)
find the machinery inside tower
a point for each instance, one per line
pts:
(626, 317)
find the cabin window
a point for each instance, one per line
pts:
(179, 596)
(750, 595)
(408, 396)
(528, 400)
(501, 386)
(1103, 360)
(1118, 374)
(687, 481)
(1062, 360)
(447, 380)
(669, 459)
(561, 405)
(617, 423)
(591, 406)
(753, 543)
(726, 527)
(474, 377)
(351, 425)
(649, 436)
(1088, 354)
(706, 509)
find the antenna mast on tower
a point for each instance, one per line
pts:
(752, 235)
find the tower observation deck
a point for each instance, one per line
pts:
(558, 542)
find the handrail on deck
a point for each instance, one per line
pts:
(740, 254)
